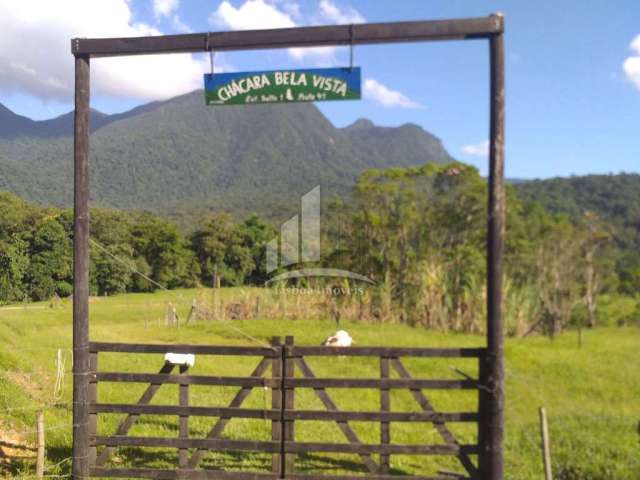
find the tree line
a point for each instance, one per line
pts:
(130, 252)
(421, 233)
(418, 232)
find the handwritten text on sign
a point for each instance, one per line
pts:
(309, 85)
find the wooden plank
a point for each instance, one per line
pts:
(131, 419)
(93, 398)
(385, 383)
(376, 383)
(174, 474)
(170, 348)
(331, 35)
(440, 426)
(218, 474)
(186, 379)
(345, 416)
(388, 352)
(81, 454)
(311, 476)
(236, 402)
(275, 446)
(183, 400)
(295, 351)
(366, 448)
(173, 410)
(206, 443)
(330, 405)
(277, 370)
(385, 406)
(285, 415)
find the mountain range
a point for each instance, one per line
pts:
(180, 157)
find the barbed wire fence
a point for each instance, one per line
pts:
(62, 361)
(49, 399)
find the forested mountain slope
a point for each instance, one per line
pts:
(180, 156)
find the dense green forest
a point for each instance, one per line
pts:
(419, 232)
(615, 198)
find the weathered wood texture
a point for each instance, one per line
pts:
(80, 464)
(385, 406)
(277, 371)
(284, 360)
(331, 35)
(217, 474)
(491, 428)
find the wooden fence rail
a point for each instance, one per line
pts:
(282, 361)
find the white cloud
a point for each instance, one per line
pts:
(333, 14)
(164, 8)
(317, 56)
(251, 15)
(169, 8)
(291, 7)
(631, 65)
(36, 56)
(264, 14)
(179, 25)
(478, 150)
(385, 96)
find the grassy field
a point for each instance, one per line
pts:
(592, 393)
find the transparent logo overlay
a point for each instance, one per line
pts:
(299, 243)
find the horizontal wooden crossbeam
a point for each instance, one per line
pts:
(275, 447)
(338, 416)
(192, 474)
(96, 347)
(289, 382)
(291, 351)
(386, 352)
(319, 36)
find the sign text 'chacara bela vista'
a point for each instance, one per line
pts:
(308, 85)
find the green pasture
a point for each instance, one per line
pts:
(591, 392)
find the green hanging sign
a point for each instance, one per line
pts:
(282, 86)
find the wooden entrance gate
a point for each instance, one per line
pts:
(490, 29)
(283, 369)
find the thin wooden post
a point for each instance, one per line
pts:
(183, 453)
(93, 398)
(546, 453)
(277, 461)
(385, 406)
(80, 464)
(491, 425)
(41, 451)
(289, 402)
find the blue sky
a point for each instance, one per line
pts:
(573, 78)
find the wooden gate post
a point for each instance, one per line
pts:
(80, 466)
(183, 421)
(289, 403)
(385, 406)
(491, 425)
(277, 459)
